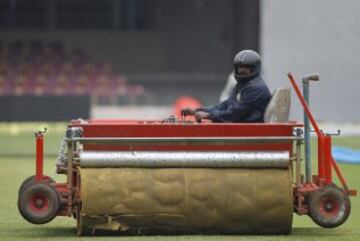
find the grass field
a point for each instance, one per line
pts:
(17, 163)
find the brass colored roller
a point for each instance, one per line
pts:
(186, 200)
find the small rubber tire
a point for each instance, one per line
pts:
(30, 180)
(39, 203)
(329, 206)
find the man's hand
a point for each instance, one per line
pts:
(187, 111)
(201, 115)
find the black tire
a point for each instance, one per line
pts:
(39, 203)
(329, 206)
(30, 180)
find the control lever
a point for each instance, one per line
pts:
(338, 132)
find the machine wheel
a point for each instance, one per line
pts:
(39, 203)
(30, 180)
(329, 206)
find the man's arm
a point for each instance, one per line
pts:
(220, 106)
(237, 110)
(190, 111)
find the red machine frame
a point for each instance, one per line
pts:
(116, 128)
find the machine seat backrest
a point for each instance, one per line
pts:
(278, 109)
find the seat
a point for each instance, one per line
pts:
(278, 109)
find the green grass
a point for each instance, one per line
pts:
(17, 163)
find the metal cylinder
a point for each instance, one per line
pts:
(306, 91)
(278, 159)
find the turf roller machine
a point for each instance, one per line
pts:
(177, 176)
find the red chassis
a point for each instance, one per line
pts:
(251, 137)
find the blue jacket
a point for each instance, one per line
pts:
(254, 98)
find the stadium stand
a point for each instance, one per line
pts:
(38, 69)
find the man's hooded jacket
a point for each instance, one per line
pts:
(254, 98)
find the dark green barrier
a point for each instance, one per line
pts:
(44, 108)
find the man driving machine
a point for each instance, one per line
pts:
(248, 99)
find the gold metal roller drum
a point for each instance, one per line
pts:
(186, 200)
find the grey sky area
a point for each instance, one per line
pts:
(315, 36)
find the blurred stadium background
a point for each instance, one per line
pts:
(84, 56)
(63, 59)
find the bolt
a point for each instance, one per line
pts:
(329, 206)
(39, 203)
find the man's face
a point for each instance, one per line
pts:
(243, 70)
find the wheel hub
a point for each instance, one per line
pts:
(329, 206)
(39, 203)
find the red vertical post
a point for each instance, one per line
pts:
(39, 156)
(304, 104)
(327, 160)
(321, 138)
(338, 173)
(321, 164)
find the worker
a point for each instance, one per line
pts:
(254, 94)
